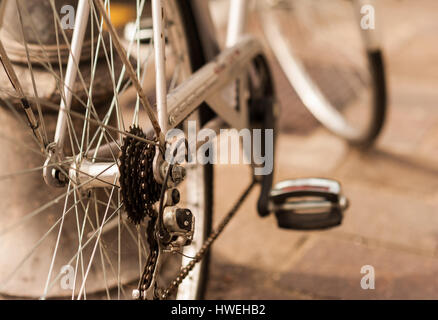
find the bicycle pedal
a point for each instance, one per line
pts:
(308, 204)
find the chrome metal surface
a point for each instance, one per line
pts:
(158, 16)
(81, 21)
(236, 21)
(211, 78)
(88, 174)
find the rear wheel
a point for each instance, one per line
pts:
(77, 242)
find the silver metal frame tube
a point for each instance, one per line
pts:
(236, 21)
(81, 22)
(160, 66)
(212, 77)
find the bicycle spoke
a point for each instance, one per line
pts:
(81, 291)
(85, 245)
(32, 250)
(94, 133)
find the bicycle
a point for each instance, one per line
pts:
(116, 220)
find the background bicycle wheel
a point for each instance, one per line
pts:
(321, 47)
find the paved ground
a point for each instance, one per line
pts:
(393, 220)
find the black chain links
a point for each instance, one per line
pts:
(151, 263)
(138, 187)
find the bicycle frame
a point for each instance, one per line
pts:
(175, 106)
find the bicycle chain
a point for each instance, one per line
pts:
(151, 263)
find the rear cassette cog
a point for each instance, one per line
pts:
(138, 187)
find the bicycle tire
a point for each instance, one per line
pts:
(197, 59)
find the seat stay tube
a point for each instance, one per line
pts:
(237, 17)
(158, 16)
(56, 148)
(81, 22)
